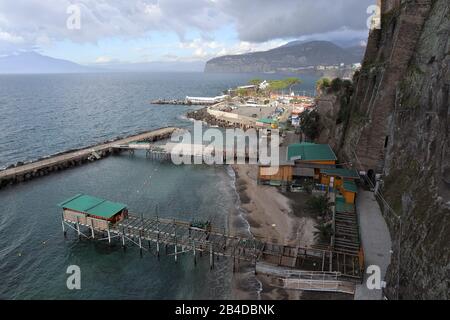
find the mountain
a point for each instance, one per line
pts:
(32, 62)
(294, 55)
(344, 43)
(158, 66)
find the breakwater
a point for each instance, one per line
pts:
(178, 102)
(21, 172)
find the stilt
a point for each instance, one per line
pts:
(331, 262)
(123, 238)
(157, 248)
(109, 235)
(211, 257)
(78, 228)
(195, 255)
(140, 244)
(157, 227)
(63, 226)
(92, 229)
(176, 244)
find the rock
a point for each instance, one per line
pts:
(399, 127)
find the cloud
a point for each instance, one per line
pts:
(203, 50)
(38, 19)
(263, 20)
(103, 59)
(31, 23)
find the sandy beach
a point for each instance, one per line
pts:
(274, 217)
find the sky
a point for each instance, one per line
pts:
(126, 31)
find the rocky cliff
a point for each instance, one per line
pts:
(398, 126)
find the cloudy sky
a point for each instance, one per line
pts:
(171, 30)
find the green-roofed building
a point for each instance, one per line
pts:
(93, 211)
(340, 172)
(349, 191)
(342, 206)
(312, 153)
(267, 120)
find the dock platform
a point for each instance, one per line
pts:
(177, 238)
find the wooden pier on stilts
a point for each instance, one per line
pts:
(99, 219)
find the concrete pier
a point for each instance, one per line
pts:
(28, 171)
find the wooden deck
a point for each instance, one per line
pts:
(179, 237)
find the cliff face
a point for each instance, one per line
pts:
(399, 127)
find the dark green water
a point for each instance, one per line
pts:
(45, 114)
(35, 259)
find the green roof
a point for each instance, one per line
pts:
(92, 206)
(345, 173)
(342, 206)
(267, 120)
(310, 152)
(350, 186)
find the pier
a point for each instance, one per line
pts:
(185, 102)
(156, 236)
(165, 152)
(62, 161)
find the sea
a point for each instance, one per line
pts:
(41, 115)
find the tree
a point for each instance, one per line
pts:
(277, 85)
(320, 206)
(291, 82)
(242, 92)
(336, 85)
(310, 124)
(324, 232)
(255, 82)
(323, 84)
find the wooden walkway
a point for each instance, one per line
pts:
(179, 237)
(165, 152)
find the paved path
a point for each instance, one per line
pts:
(376, 241)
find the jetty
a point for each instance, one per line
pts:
(203, 153)
(58, 162)
(192, 101)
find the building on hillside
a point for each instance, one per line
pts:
(315, 163)
(303, 160)
(342, 180)
(264, 85)
(276, 176)
(93, 212)
(312, 153)
(349, 191)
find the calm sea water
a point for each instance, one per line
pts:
(46, 114)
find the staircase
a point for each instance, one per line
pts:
(346, 238)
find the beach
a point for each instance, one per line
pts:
(274, 217)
